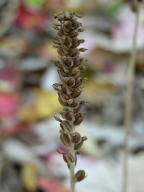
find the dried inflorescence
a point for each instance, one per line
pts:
(69, 69)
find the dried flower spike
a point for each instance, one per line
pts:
(69, 69)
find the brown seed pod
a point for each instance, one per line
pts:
(75, 137)
(79, 82)
(65, 138)
(68, 115)
(65, 125)
(61, 72)
(73, 104)
(57, 86)
(57, 42)
(63, 96)
(84, 138)
(74, 34)
(70, 81)
(82, 49)
(67, 61)
(76, 43)
(73, 52)
(68, 158)
(57, 118)
(60, 51)
(78, 118)
(75, 72)
(66, 29)
(68, 24)
(66, 89)
(80, 175)
(78, 145)
(78, 121)
(62, 102)
(80, 30)
(76, 93)
(78, 107)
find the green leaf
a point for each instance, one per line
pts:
(113, 8)
(36, 4)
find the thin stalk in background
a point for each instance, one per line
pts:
(129, 98)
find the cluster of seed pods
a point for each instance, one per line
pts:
(69, 69)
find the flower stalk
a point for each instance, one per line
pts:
(69, 89)
(129, 95)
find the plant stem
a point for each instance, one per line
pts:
(129, 99)
(72, 171)
(72, 178)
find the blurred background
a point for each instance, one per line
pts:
(29, 135)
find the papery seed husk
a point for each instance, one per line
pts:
(68, 115)
(80, 175)
(66, 89)
(65, 139)
(75, 72)
(84, 138)
(82, 49)
(80, 104)
(64, 96)
(71, 159)
(78, 121)
(73, 52)
(78, 145)
(80, 30)
(68, 158)
(76, 94)
(62, 102)
(76, 138)
(57, 118)
(57, 86)
(65, 125)
(73, 104)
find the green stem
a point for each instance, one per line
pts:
(72, 178)
(129, 100)
(72, 171)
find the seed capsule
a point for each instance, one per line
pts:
(78, 118)
(82, 49)
(84, 138)
(57, 118)
(78, 145)
(76, 138)
(73, 104)
(62, 102)
(75, 72)
(68, 115)
(76, 94)
(73, 52)
(57, 86)
(80, 175)
(68, 158)
(65, 125)
(74, 34)
(80, 104)
(70, 82)
(80, 30)
(64, 96)
(65, 139)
